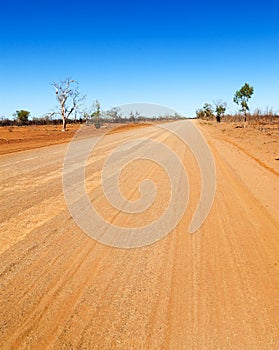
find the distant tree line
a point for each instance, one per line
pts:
(71, 109)
(93, 119)
(45, 120)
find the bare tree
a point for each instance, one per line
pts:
(68, 96)
(115, 114)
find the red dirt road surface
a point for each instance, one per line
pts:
(214, 289)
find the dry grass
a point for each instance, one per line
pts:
(262, 122)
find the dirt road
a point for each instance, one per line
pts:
(214, 289)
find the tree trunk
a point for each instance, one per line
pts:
(245, 119)
(63, 119)
(64, 124)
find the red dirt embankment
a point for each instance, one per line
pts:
(22, 138)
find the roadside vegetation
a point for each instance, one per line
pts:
(71, 108)
(261, 120)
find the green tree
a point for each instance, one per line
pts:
(208, 111)
(220, 109)
(200, 113)
(242, 96)
(22, 116)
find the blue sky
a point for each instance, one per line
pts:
(176, 53)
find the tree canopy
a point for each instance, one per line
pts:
(242, 96)
(22, 116)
